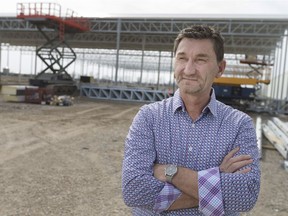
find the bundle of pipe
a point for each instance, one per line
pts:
(276, 131)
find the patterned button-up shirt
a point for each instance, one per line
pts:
(163, 132)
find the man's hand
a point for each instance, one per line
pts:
(159, 172)
(232, 164)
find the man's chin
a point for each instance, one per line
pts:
(190, 90)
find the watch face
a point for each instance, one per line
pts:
(170, 170)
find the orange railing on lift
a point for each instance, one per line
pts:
(52, 11)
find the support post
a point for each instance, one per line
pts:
(159, 68)
(118, 47)
(142, 58)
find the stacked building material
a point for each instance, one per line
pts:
(38, 95)
(276, 131)
(14, 93)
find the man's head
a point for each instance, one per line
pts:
(198, 60)
(203, 32)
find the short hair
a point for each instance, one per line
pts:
(203, 32)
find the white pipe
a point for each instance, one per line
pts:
(259, 134)
(273, 134)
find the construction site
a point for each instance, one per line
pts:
(71, 86)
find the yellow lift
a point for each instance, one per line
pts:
(239, 81)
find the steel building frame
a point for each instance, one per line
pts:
(246, 36)
(243, 36)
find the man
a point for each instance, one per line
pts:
(191, 154)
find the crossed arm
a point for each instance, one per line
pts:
(186, 180)
(142, 185)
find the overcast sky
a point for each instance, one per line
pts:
(165, 8)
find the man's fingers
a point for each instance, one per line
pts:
(158, 171)
(239, 158)
(246, 170)
(231, 164)
(231, 154)
(238, 165)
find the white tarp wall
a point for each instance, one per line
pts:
(279, 77)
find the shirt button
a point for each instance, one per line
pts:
(193, 125)
(190, 148)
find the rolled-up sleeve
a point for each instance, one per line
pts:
(210, 194)
(166, 197)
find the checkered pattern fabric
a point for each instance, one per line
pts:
(166, 197)
(210, 195)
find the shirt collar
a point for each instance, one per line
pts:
(212, 105)
(178, 103)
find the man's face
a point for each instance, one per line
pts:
(196, 66)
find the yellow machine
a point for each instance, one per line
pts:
(239, 81)
(234, 89)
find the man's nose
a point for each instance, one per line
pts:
(190, 67)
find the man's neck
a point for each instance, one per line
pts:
(195, 104)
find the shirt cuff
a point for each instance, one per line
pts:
(210, 195)
(166, 197)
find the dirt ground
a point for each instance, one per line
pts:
(67, 161)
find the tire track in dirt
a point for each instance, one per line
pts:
(15, 141)
(124, 112)
(20, 137)
(72, 154)
(14, 137)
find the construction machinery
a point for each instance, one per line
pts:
(240, 90)
(237, 88)
(55, 53)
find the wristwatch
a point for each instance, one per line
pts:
(170, 172)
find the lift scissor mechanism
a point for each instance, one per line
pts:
(56, 53)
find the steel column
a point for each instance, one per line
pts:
(284, 67)
(117, 48)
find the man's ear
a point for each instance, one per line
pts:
(221, 68)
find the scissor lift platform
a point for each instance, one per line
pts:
(55, 50)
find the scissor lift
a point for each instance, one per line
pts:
(56, 54)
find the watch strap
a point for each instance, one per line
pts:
(169, 178)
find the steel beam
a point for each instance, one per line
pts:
(122, 93)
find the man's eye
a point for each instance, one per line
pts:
(201, 60)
